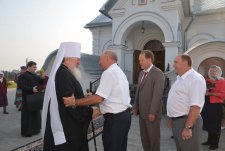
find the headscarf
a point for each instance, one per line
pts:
(66, 49)
(218, 70)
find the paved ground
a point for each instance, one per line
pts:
(10, 133)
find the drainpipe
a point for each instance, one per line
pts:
(187, 28)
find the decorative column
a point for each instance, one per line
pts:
(120, 51)
(171, 51)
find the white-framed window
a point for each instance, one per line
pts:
(142, 2)
(205, 5)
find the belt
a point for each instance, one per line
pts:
(109, 114)
(175, 118)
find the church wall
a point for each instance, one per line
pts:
(164, 11)
(206, 28)
(101, 39)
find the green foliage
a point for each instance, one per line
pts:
(11, 84)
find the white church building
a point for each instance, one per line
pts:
(166, 27)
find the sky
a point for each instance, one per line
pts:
(34, 28)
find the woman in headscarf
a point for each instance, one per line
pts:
(3, 93)
(212, 110)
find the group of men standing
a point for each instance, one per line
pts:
(67, 112)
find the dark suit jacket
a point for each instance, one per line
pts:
(148, 98)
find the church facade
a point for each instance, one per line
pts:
(166, 27)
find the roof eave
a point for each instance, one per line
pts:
(98, 25)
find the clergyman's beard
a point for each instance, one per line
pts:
(76, 73)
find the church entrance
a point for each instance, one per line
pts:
(159, 52)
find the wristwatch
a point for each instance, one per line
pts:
(188, 127)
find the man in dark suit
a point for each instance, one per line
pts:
(148, 101)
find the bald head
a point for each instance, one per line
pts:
(112, 55)
(107, 58)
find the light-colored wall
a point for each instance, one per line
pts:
(169, 14)
(206, 28)
(101, 39)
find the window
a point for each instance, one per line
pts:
(205, 5)
(211, 4)
(142, 2)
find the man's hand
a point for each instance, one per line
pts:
(170, 123)
(134, 111)
(151, 117)
(35, 90)
(69, 101)
(88, 94)
(96, 112)
(186, 134)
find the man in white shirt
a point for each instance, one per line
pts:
(114, 100)
(185, 102)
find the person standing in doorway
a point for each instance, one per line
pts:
(148, 101)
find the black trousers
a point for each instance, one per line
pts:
(115, 131)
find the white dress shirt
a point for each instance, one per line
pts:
(114, 88)
(188, 90)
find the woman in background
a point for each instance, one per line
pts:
(212, 110)
(3, 93)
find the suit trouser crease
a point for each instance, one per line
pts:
(150, 134)
(192, 144)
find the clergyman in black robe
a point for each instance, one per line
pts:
(74, 121)
(30, 120)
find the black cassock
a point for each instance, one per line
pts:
(75, 121)
(30, 120)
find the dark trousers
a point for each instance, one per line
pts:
(115, 131)
(213, 138)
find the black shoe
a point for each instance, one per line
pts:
(213, 147)
(5, 112)
(206, 143)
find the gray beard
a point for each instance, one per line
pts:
(76, 73)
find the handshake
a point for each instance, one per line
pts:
(73, 102)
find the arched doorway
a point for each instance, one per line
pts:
(205, 64)
(159, 52)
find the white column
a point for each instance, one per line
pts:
(128, 64)
(120, 51)
(171, 51)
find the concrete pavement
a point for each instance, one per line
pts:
(10, 137)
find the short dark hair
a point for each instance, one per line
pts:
(148, 54)
(187, 58)
(31, 63)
